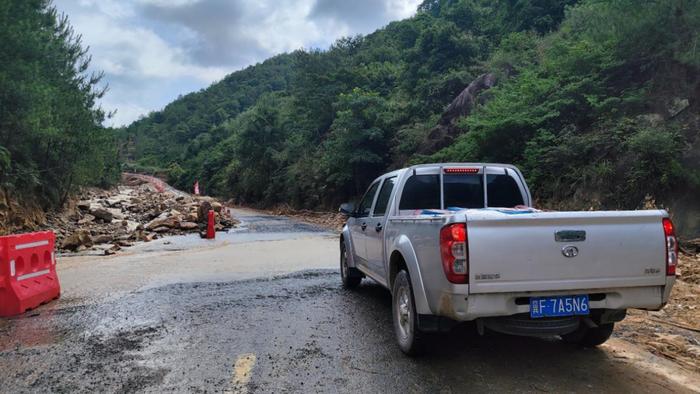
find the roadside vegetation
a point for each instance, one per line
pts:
(597, 101)
(51, 138)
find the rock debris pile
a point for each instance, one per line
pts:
(108, 220)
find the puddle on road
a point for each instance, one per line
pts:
(252, 228)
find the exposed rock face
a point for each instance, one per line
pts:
(445, 132)
(677, 106)
(465, 102)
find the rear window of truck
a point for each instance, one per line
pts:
(503, 191)
(464, 190)
(421, 192)
(461, 191)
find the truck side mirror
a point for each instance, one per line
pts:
(347, 209)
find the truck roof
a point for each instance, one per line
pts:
(461, 165)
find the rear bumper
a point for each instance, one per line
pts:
(463, 307)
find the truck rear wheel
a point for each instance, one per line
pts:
(404, 315)
(350, 276)
(590, 336)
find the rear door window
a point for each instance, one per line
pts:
(383, 198)
(421, 192)
(366, 204)
(463, 190)
(503, 191)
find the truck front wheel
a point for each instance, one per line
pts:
(590, 336)
(404, 315)
(351, 276)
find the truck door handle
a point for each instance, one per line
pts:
(379, 227)
(363, 226)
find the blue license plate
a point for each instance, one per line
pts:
(559, 306)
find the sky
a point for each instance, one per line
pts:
(152, 51)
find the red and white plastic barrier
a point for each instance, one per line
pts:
(27, 272)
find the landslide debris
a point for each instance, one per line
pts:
(135, 211)
(331, 220)
(674, 331)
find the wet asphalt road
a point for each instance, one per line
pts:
(298, 332)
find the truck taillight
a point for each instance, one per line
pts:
(454, 252)
(671, 247)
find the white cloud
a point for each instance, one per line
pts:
(126, 113)
(138, 52)
(113, 8)
(153, 50)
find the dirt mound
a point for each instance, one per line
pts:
(19, 215)
(689, 269)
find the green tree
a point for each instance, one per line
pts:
(356, 150)
(50, 125)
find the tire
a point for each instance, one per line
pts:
(590, 336)
(350, 276)
(403, 308)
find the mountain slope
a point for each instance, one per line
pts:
(597, 101)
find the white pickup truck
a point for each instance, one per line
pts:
(461, 242)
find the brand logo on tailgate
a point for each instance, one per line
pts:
(487, 276)
(569, 251)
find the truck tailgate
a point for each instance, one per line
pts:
(511, 252)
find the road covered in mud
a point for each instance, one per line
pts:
(261, 309)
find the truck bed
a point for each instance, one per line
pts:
(518, 251)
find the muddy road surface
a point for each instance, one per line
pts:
(261, 310)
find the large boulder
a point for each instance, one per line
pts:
(116, 213)
(131, 225)
(87, 218)
(188, 226)
(76, 240)
(102, 213)
(203, 211)
(166, 219)
(118, 200)
(191, 217)
(103, 239)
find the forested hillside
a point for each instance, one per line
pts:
(51, 138)
(596, 101)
